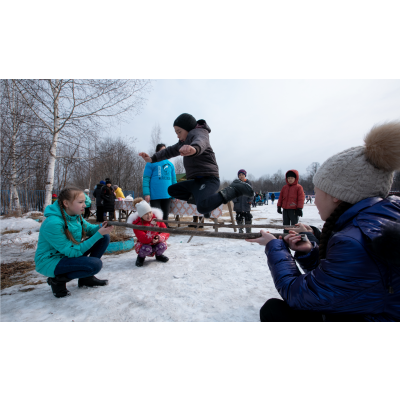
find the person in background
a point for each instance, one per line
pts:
(88, 203)
(99, 202)
(272, 197)
(118, 192)
(291, 199)
(53, 198)
(107, 194)
(242, 205)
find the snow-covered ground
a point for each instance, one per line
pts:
(208, 279)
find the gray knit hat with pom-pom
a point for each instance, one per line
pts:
(363, 171)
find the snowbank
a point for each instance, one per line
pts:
(209, 279)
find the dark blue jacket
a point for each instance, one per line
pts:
(355, 277)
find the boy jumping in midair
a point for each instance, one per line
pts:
(202, 186)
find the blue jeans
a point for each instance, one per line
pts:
(82, 267)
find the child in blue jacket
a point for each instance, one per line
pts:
(157, 178)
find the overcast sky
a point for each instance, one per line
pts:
(266, 125)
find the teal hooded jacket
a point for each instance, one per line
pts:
(53, 244)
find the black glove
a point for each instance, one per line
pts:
(299, 212)
(280, 210)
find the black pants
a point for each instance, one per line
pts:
(243, 215)
(289, 218)
(276, 310)
(87, 213)
(100, 214)
(163, 204)
(204, 191)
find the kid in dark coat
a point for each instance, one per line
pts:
(242, 205)
(201, 167)
(108, 197)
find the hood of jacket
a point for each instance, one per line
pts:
(157, 213)
(378, 219)
(53, 210)
(297, 177)
(202, 124)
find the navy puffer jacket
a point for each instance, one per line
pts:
(357, 276)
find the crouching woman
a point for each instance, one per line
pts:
(354, 272)
(63, 253)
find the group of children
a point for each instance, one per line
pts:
(351, 269)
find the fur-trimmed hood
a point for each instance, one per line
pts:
(134, 216)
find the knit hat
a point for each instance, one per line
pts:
(108, 181)
(143, 208)
(115, 187)
(291, 174)
(242, 171)
(102, 183)
(54, 195)
(363, 171)
(186, 122)
(86, 190)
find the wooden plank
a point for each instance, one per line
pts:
(226, 235)
(222, 225)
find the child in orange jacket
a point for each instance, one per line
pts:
(291, 199)
(148, 243)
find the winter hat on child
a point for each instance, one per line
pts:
(143, 208)
(186, 122)
(291, 174)
(54, 195)
(115, 187)
(86, 190)
(102, 183)
(363, 171)
(242, 171)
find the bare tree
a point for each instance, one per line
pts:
(70, 109)
(178, 163)
(20, 140)
(312, 169)
(155, 138)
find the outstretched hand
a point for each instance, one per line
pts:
(145, 157)
(265, 238)
(187, 150)
(295, 243)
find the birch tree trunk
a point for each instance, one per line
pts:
(53, 149)
(15, 204)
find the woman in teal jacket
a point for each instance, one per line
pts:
(157, 178)
(61, 254)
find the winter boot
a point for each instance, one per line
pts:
(58, 286)
(91, 281)
(162, 258)
(236, 189)
(195, 219)
(239, 221)
(248, 222)
(140, 261)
